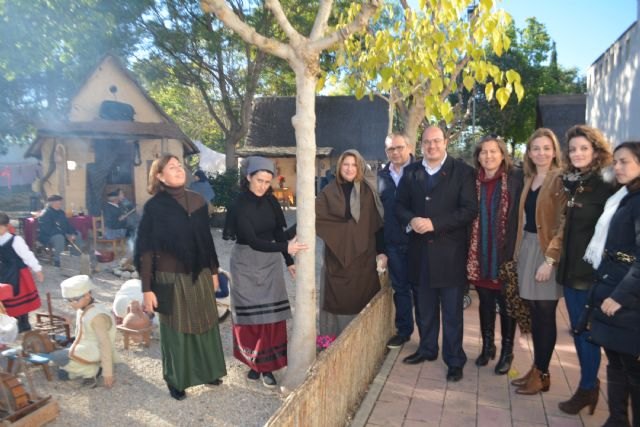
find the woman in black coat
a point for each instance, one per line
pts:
(616, 317)
(587, 153)
(493, 240)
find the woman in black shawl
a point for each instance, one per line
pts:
(178, 265)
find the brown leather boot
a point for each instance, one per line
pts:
(580, 399)
(537, 382)
(523, 380)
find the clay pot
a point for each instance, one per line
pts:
(106, 256)
(135, 319)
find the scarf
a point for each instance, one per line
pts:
(483, 250)
(595, 249)
(167, 227)
(354, 202)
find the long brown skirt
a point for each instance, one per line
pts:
(262, 348)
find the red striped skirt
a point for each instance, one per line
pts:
(27, 300)
(261, 347)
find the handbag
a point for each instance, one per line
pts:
(163, 292)
(516, 306)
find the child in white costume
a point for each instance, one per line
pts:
(93, 350)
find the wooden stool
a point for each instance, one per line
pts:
(138, 335)
(31, 359)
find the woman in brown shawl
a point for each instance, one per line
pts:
(348, 217)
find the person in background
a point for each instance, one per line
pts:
(54, 229)
(92, 352)
(436, 204)
(614, 251)
(587, 154)
(538, 248)
(493, 241)
(128, 209)
(259, 301)
(349, 217)
(115, 223)
(15, 261)
(201, 186)
(398, 151)
(174, 250)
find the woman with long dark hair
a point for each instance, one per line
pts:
(259, 301)
(586, 154)
(493, 240)
(178, 265)
(538, 250)
(616, 295)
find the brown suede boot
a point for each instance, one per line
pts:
(523, 380)
(537, 382)
(580, 399)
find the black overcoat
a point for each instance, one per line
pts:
(452, 204)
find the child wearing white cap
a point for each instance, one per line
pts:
(93, 351)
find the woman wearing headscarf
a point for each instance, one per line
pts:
(178, 265)
(348, 219)
(259, 301)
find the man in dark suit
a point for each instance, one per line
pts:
(396, 241)
(436, 203)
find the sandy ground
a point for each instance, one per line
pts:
(140, 396)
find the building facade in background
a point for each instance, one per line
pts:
(613, 88)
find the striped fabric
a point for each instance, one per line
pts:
(194, 305)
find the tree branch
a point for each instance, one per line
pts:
(246, 32)
(454, 77)
(320, 24)
(359, 22)
(276, 9)
(405, 5)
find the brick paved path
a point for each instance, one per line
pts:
(419, 395)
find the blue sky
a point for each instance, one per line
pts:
(582, 29)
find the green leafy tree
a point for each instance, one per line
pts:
(423, 62)
(183, 103)
(533, 54)
(47, 49)
(200, 57)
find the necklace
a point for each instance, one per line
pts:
(573, 181)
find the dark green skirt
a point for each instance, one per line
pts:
(191, 359)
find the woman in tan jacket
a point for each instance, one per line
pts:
(538, 247)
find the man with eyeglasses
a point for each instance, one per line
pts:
(93, 350)
(436, 202)
(399, 154)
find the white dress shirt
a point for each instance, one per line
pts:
(433, 171)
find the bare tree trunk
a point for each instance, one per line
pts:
(302, 349)
(414, 118)
(230, 152)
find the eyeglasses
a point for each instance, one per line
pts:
(399, 149)
(74, 299)
(434, 141)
